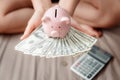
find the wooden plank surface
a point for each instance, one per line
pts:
(16, 66)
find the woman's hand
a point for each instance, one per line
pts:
(40, 6)
(70, 8)
(89, 16)
(98, 13)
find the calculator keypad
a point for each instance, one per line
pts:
(88, 66)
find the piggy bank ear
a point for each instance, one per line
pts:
(65, 20)
(45, 19)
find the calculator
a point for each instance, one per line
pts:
(89, 64)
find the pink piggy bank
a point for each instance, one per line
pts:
(56, 22)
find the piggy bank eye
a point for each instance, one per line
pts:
(51, 26)
(59, 27)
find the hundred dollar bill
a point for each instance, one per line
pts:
(39, 44)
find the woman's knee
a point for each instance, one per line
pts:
(7, 6)
(15, 21)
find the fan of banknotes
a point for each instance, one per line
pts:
(39, 44)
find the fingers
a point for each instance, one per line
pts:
(27, 32)
(86, 29)
(34, 22)
(90, 31)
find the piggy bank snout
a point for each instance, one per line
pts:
(55, 33)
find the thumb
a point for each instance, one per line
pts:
(34, 22)
(28, 30)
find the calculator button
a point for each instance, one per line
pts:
(98, 66)
(89, 76)
(85, 69)
(95, 63)
(93, 72)
(83, 73)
